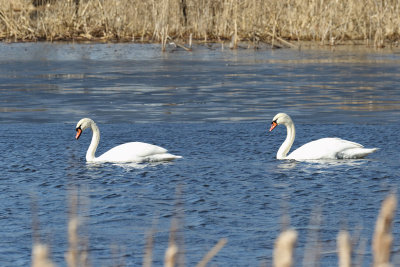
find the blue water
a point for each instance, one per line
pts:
(213, 107)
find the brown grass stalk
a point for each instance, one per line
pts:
(383, 239)
(148, 252)
(284, 247)
(313, 247)
(171, 257)
(214, 251)
(72, 255)
(40, 251)
(76, 254)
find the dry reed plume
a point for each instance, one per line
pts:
(383, 239)
(284, 247)
(374, 23)
(344, 249)
(40, 256)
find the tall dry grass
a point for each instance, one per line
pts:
(375, 23)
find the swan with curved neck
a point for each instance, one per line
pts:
(128, 152)
(325, 148)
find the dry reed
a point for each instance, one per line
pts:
(344, 249)
(276, 22)
(72, 255)
(383, 239)
(282, 254)
(172, 250)
(40, 256)
(284, 246)
(76, 254)
(148, 252)
(221, 243)
(313, 247)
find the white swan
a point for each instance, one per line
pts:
(325, 148)
(128, 152)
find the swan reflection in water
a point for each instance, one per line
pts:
(320, 164)
(126, 165)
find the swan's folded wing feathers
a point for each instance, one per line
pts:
(329, 148)
(136, 151)
(144, 149)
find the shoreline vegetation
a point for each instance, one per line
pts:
(350, 251)
(258, 23)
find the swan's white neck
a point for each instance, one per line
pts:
(287, 144)
(90, 154)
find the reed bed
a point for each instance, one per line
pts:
(325, 22)
(284, 247)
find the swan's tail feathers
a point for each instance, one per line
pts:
(164, 157)
(356, 153)
(173, 156)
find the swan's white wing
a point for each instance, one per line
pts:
(136, 152)
(330, 148)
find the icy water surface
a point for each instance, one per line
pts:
(213, 107)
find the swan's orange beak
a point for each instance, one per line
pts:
(78, 133)
(273, 125)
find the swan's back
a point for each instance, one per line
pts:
(136, 152)
(330, 148)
